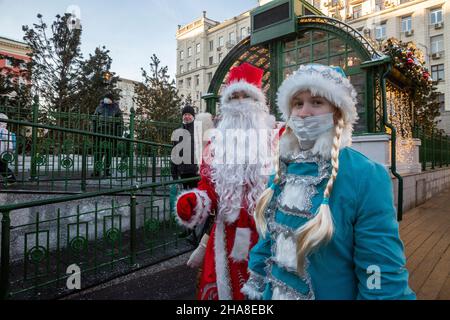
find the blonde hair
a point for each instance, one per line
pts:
(265, 198)
(319, 230)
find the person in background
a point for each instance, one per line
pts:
(6, 145)
(108, 120)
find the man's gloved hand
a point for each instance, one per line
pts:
(196, 258)
(186, 205)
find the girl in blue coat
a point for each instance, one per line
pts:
(327, 224)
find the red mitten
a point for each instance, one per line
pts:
(186, 205)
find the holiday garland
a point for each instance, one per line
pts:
(408, 60)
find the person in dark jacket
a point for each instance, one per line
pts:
(187, 169)
(108, 120)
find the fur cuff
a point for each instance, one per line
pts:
(253, 289)
(241, 245)
(201, 210)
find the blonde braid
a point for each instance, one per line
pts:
(319, 229)
(266, 196)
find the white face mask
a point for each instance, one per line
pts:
(309, 129)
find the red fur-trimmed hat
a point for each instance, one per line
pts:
(245, 77)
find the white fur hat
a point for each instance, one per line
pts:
(324, 81)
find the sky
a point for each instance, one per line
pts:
(132, 30)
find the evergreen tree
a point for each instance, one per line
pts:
(91, 83)
(55, 61)
(157, 97)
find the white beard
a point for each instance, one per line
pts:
(240, 184)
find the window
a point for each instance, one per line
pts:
(437, 44)
(188, 80)
(181, 55)
(189, 66)
(220, 41)
(316, 3)
(197, 80)
(197, 48)
(180, 84)
(379, 4)
(244, 32)
(181, 69)
(357, 11)
(380, 31)
(211, 45)
(197, 63)
(211, 61)
(209, 77)
(441, 100)
(8, 62)
(436, 16)
(406, 24)
(189, 51)
(437, 72)
(220, 57)
(232, 37)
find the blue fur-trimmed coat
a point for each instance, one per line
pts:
(364, 259)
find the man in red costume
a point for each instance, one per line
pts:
(228, 190)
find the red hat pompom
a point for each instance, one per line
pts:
(246, 72)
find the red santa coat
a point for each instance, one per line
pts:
(225, 263)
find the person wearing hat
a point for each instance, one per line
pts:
(185, 169)
(108, 120)
(227, 192)
(327, 223)
(7, 140)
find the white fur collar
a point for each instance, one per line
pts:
(290, 146)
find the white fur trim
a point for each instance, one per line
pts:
(201, 210)
(342, 95)
(253, 91)
(203, 122)
(289, 144)
(286, 252)
(241, 245)
(251, 293)
(293, 196)
(222, 270)
(278, 295)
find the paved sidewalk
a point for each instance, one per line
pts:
(169, 280)
(425, 231)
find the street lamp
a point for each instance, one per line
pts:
(107, 77)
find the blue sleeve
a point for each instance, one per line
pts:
(379, 257)
(255, 285)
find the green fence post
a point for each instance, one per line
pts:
(84, 165)
(131, 149)
(33, 173)
(133, 229)
(5, 259)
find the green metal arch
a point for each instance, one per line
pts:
(312, 22)
(227, 62)
(342, 30)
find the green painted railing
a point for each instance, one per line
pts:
(78, 152)
(104, 233)
(434, 150)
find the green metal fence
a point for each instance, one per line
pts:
(73, 151)
(434, 150)
(134, 227)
